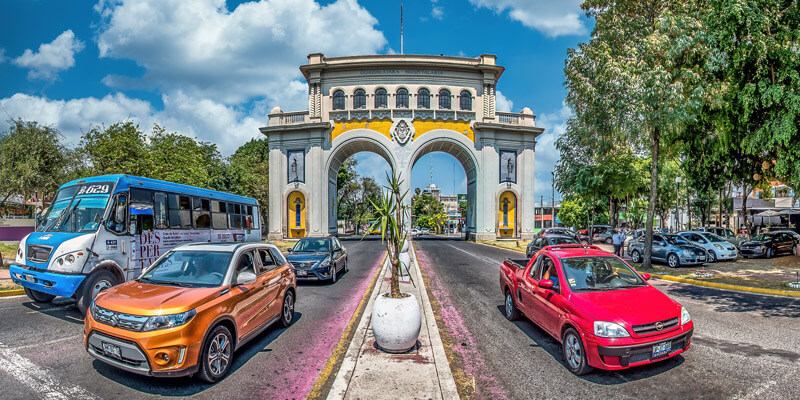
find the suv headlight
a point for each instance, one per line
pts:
(685, 317)
(168, 321)
(609, 330)
(719, 246)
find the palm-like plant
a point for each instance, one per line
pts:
(390, 213)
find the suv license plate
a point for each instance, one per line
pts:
(661, 349)
(112, 350)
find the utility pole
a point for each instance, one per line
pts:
(541, 203)
(553, 200)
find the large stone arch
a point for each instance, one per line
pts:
(463, 150)
(344, 146)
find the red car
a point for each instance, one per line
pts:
(603, 312)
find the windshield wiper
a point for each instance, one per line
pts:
(146, 280)
(594, 289)
(181, 284)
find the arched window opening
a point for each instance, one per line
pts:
(359, 99)
(380, 98)
(423, 98)
(338, 100)
(466, 100)
(444, 99)
(401, 98)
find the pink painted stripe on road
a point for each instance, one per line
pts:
(299, 378)
(465, 346)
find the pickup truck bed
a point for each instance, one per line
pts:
(518, 262)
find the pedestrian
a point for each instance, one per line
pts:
(616, 239)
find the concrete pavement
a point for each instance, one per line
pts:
(421, 373)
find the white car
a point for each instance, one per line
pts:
(715, 246)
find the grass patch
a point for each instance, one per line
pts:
(282, 245)
(516, 245)
(6, 285)
(8, 250)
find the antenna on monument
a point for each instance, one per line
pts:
(401, 27)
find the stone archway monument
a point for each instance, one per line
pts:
(401, 107)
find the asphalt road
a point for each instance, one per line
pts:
(42, 354)
(744, 346)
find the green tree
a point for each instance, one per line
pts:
(630, 83)
(181, 159)
(249, 172)
(33, 158)
(426, 210)
(572, 212)
(118, 149)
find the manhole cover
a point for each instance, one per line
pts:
(794, 285)
(702, 275)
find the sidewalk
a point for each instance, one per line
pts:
(422, 373)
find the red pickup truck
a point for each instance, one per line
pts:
(603, 312)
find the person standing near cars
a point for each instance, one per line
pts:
(616, 239)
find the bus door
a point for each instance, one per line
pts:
(141, 226)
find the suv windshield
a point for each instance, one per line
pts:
(312, 245)
(77, 209)
(599, 273)
(189, 269)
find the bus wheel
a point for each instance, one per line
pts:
(92, 286)
(38, 296)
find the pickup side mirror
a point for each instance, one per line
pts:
(546, 284)
(646, 276)
(245, 278)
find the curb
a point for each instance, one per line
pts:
(13, 292)
(447, 382)
(725, 286)
(342, 347)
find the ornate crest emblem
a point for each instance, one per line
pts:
(402, 131)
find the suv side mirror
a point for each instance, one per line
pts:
(337, 248)
(289, 250)
(245, 278)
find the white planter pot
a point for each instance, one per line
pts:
(405, 262)
(396, 323)
(404, 250)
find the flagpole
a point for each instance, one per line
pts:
(401, 27)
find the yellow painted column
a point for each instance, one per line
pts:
(296, 205)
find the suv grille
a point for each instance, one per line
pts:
(648, 329)
(38, 254)
(118, 320)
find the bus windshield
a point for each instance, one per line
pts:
(77, 209)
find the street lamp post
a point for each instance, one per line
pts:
(677, 202)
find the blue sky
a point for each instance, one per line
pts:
(212, 69)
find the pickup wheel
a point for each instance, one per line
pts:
(636, 256)
(574, 353)
(511, 312)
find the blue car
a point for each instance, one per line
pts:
(670, 248)
(318, 258)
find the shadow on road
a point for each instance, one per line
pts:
(63, 308)
(316, 282)
(728, 301)
(188, 386)
(547, 343)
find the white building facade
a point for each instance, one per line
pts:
(401, 107)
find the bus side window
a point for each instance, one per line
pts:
(219, 216)
(234, 217)
(180, 212)
(160, 211)
(201, 213)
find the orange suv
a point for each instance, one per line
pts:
(189, 311)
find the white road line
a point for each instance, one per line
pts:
(484, 259)
(45, 310)
(38, 379)
(48, 343)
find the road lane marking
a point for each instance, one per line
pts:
(48, 343)
(38, 379)
(341, 347)
(484, 259)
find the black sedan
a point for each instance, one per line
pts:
(769, 244)
(547, 240)
(318, 258)
(564, 232)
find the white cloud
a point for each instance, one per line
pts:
(553, 18)
(231, 56)
(503, 103)
(437, 12)
(2, 55)
(193, 117)
(51, 58)
(555, 124)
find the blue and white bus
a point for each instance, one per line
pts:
(104, 230)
